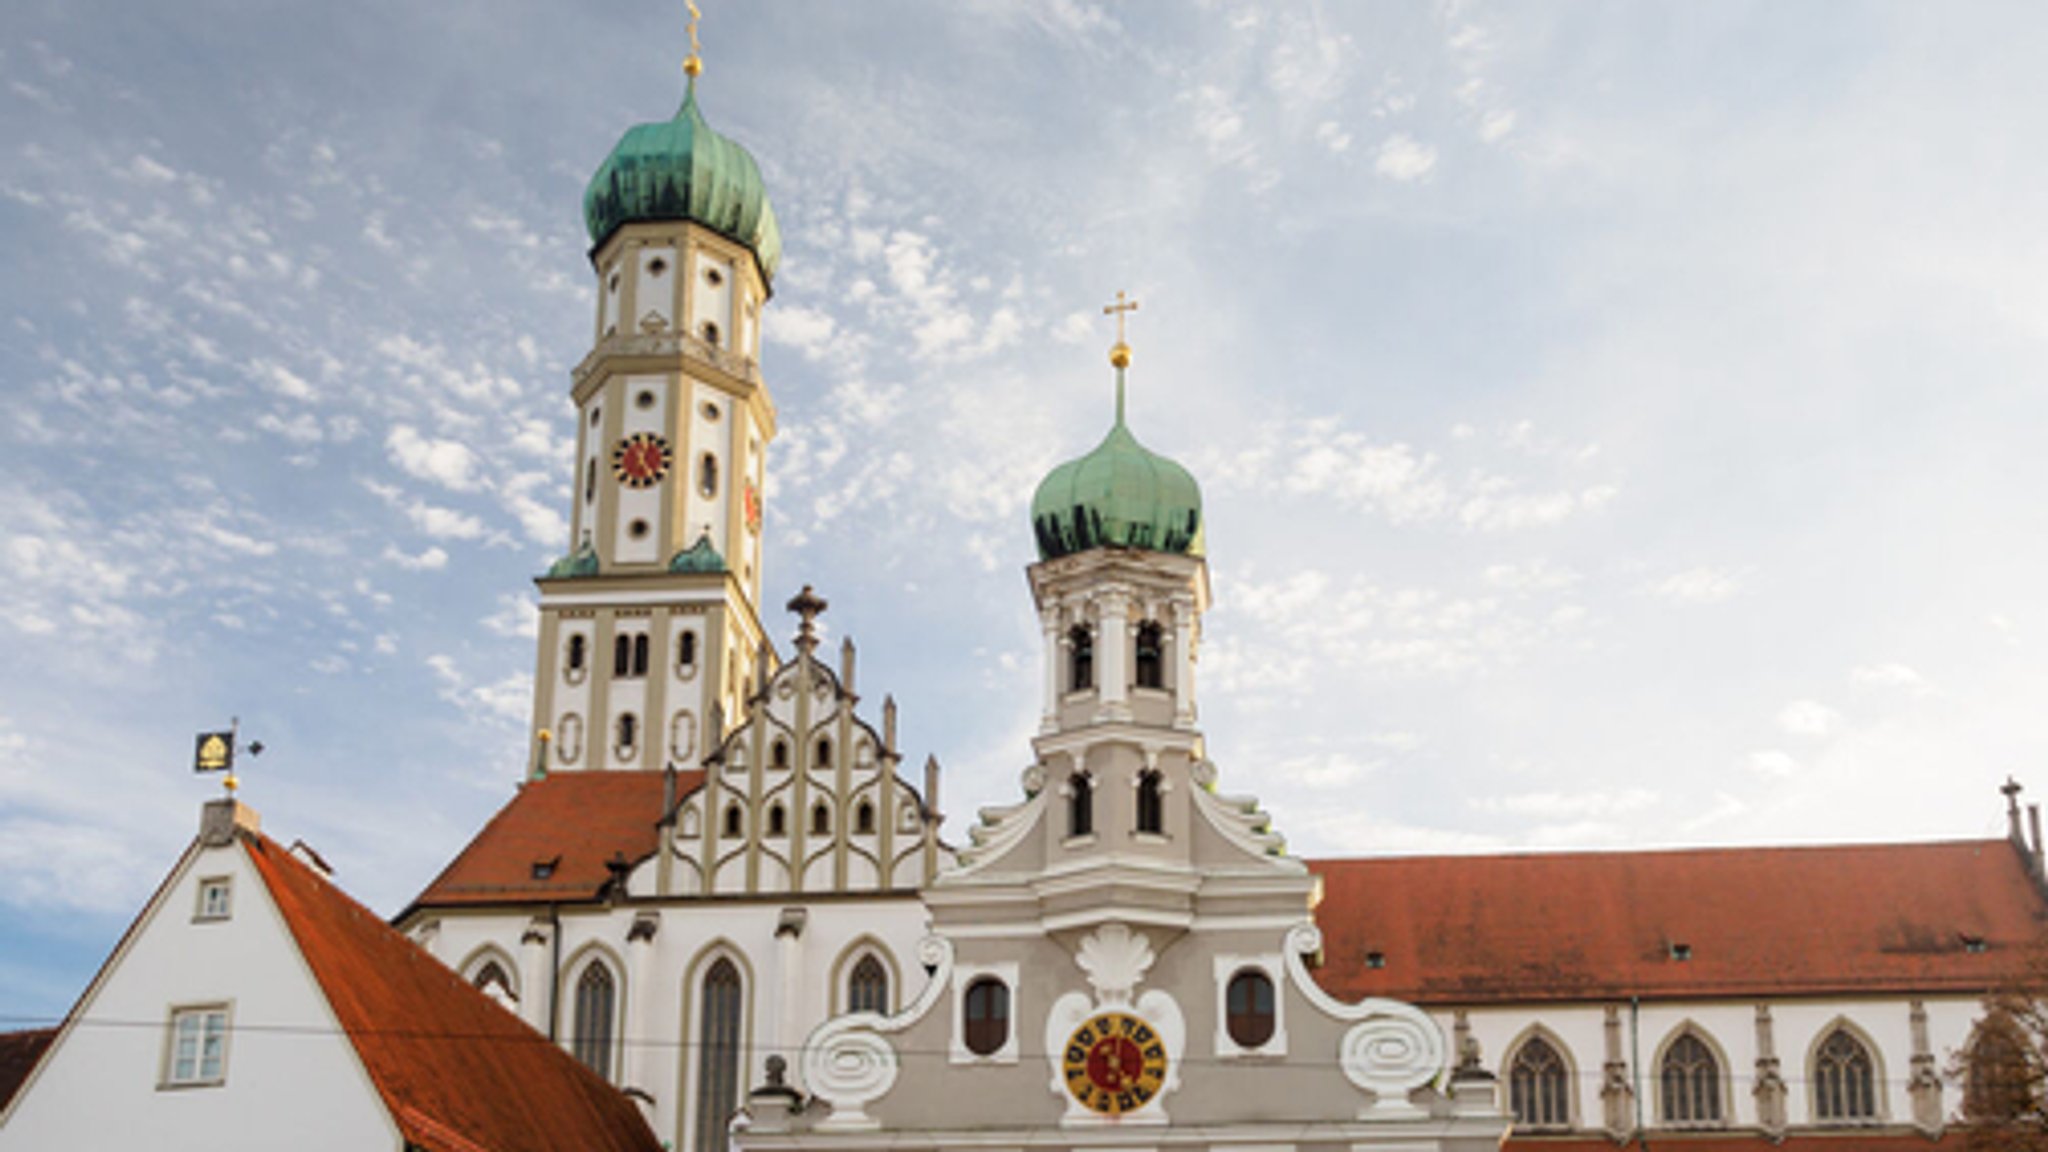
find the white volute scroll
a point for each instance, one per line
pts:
(1393, 1049)
(848, 1060)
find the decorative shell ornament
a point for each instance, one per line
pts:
(1115, 959)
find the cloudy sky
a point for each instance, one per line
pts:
(1619, 425)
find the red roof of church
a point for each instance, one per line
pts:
(554, 839)
(1889, 918)
(457, 1072)
(19, 1052)
(1848, 1140)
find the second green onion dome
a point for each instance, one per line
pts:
(1120, 495)
(682, 170)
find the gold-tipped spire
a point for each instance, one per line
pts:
(1120, 352)
(693, 64)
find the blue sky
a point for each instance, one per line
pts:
(1618, 424)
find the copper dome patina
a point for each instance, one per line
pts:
(1120, 495)
(681, 169)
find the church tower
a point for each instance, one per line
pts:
(1120, 586)
(650, 628)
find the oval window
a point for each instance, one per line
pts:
(986, 1016)
(1248, 1008)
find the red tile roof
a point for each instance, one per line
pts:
(1847, 1140)
(457, 1072)
(1603, 925)
(19, 1052)
(577, 820)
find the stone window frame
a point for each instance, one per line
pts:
(204, 909)
(1227, 967)
(964, 977)
(1568, 1065)
(1873, 1056)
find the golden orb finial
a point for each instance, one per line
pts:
(1120, 352)
(693, 64)
(1120, 355)
(544, 735)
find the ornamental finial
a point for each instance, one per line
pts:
(1120, 352)
(693, 64)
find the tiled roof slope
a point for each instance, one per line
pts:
(457, 1072)
(19, 1052)
(1849, 1140)
(578, 820)
(1601, 925)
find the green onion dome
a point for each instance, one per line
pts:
(1119, 495)
(581, 562)
(682, 170)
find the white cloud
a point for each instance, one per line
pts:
(1809, 718)
(1891, 675)
(1772, 763)
(1495, 125)
(1332, 135)
(431, 560)
(1404, 159)
(449, 463)
(1698, 586)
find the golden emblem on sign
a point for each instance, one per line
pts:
(1114, 1063)
(215, 753)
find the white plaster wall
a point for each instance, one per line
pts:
(642, 504)
(712, 436)
(609, 286)
(655, 294)
(292, 1080)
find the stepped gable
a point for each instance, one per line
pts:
(571, 825)
(1578, 926)
(457, 1072)
(19, 1052)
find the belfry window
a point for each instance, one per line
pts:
(864, 818)
(1248, 1008)
(867, 990)
(779, 754)
(629, 655)
(590, 480)
(1844, 1079)
(1689, 1084)
(733, 820)
(1538, 1086)
(985, 1016)
(578, 652)
(686, 650)
(629, 733)
(707, 476)
(1080, 659)
(1080, 805)
(592, 1041)
(777, 822)
(1150, 666)
(821, 820)
(1151, 815)
(824, 757)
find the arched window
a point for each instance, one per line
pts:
(629, 731)
(733, 820)
(776, 826)
(824, 757)
(578, 652)
(821, 820)
(686, 650)
(718, 1053)
(1080, 805)
(864, 818)
(1248, 1008)
(986, 1016)
(1844, 1079)
(707, 486)
(867, 990)
(640, 654)
(590, 478)
(1538, 1087)
(1151, 814)
(1150, 666)
(1690, 1083)
(492, 981)
(1999, 1079)
(1080, 659)
(596, 997)
(622, 655)
(779, 754)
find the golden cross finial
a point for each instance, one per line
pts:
(1120, 353)
(693, 64)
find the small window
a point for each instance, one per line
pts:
(707, 476)
(656, 267)
(579, 651)
(1539, 1087)
(594, 413)
(199, 1046)
(640, 654)
(864, 818)
(713, 277)
(1248, 1008)
(779, 754)
(710, 412)
(821, 821)
(867, 990)
(629, 732)
(637, 529)
(776, 821)
(824, 757)
(732, 820)
(1151, 808)
(1151, 657)
(545, 869)
(622, 655)
(215, 899)
(710, 332)
(1081, 660)
(613, 283)
(645, 399)
(492, 981)
(1375, 959)
(686, 650)
(590, 480)
(1080, 805)
(986, 1016)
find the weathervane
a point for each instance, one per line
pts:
(215, 752)
(693, 64)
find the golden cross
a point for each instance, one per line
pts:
(693, 64)
(1117, 310)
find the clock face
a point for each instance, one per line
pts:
(1114, 1063)
(641, 460)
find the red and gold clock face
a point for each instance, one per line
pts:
(750, 498)
(1114, 1063)
(641, 460)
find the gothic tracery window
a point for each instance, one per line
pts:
(867, 989)
(596, 998)
(1689, 1083)
(1844, 1079)
(718, 1048)
(1538, 1086)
